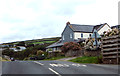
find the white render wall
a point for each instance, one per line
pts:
(104, 28)
(78, 35)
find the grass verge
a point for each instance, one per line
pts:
(55, 58)
(3, 59)
(52, 58)
(86, 59)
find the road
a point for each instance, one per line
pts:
(0, 67)
(57, 68)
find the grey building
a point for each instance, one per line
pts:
(77, 33)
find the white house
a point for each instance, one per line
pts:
(76, 32)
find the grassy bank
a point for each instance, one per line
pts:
(3, 59)
(0, 58)
(86, 59)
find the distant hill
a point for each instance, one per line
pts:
(36, 41)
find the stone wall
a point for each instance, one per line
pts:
(72, 53)
(110, 61)
(54, 54)
(92, 53)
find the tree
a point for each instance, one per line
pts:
(40, 52)
(8, 52)
(18, 48)
(40, 47)
(70, 46)
(22, 43)
(29, 45)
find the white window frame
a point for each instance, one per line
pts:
(63, 37)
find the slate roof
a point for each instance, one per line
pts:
(85, 28)
(81, 28)
(101, 25)
(60, 43)
(55, 45)
(97, 26)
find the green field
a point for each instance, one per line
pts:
(37, 41)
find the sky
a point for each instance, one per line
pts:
(36, 19)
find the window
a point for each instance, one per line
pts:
(89, 35)
(118, 26)
(63, 37)
(70, 35)
(81, 35)
(54, 49)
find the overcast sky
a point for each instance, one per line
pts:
(35, 19)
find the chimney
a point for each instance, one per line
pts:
(68, 23)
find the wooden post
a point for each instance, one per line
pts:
(96, 40)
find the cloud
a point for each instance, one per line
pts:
(29, 19)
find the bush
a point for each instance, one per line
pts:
(26, 59)
(8, 52)
(40, 52)
(99, 59)
(49, 49)
(22, 43)
(40, 47)
(70, 46)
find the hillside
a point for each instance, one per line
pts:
(32, 47)
(36, 41)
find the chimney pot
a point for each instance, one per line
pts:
(68, 23)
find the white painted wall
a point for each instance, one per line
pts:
(54, 49)
(78, 35)
(104, 28)
(86, 35)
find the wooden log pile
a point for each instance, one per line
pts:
(111, 47)
(111, 32)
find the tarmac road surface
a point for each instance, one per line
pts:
(57, 68)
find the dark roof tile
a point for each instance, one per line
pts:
(81, 28)
(96, 27)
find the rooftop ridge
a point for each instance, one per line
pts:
(82, 25)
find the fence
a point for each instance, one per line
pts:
(111, 49)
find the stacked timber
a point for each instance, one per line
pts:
(111, 49)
